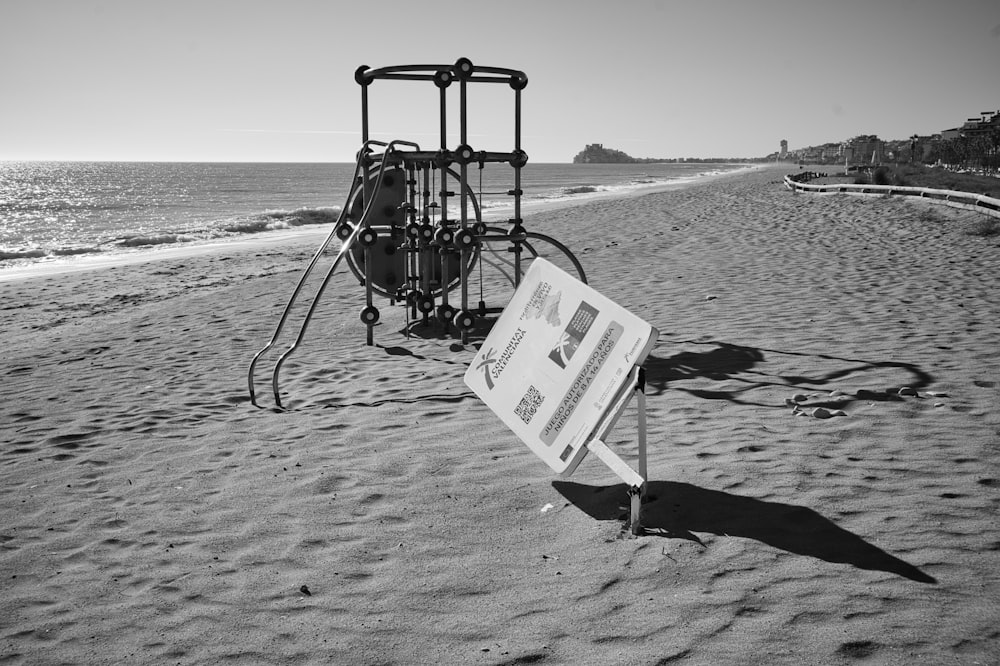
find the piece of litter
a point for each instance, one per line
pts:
(824, 413)
(937, 394)
(547, 507)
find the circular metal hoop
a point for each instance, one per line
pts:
(388, 256)
(535, 245)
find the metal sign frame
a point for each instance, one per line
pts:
(559, 367)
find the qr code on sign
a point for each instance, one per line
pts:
(528, 406)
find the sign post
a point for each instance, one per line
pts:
(559, 367)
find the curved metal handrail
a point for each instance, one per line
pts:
(429, 70)
(979, 202)
(344, 247)
(305, 273)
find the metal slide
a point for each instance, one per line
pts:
(357, 182)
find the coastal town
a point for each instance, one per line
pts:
(972, 146)
(975, 144)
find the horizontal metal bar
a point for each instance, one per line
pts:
(430, 156)
(427, 72)
(489, 79)
(500, 70)
(405, 77)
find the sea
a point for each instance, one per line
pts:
(57, 212)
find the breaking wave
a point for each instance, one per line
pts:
(213, 230)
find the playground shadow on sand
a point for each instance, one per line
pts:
(738, 369)
(678, 510)
(433, 329)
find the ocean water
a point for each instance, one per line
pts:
(58, 211)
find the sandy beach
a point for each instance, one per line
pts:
(824, 457)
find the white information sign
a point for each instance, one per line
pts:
(555, 362)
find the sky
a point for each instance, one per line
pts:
(256, 80)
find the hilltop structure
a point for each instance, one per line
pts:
(596, 153)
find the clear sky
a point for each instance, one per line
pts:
(256, 80)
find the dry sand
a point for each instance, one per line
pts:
(151, 514)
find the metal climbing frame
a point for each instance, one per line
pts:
(397, 239)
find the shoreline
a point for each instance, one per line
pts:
(314, 233)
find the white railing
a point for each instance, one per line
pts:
(978, 202)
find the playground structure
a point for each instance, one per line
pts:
(395, 232)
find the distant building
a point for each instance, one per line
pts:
(988, 121)
(866, 149)
(784, 150)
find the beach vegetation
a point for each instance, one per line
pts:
(919, 175)
(881, 176)
(943, 179)
(985, 228)
(929, 215)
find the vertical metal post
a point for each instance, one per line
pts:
(442, 255)
(463, 134)
(640, 389)
(425, 218)
(368, 293)
(366, 193)
(517, 187)
(444, 149)
(635, 509)
(408, 246)
(365, 171)
(463, 270)
(637, 495)
(517, 147)
(424, 250)
(364, 113)
(443, 117)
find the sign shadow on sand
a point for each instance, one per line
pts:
(679, 510)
